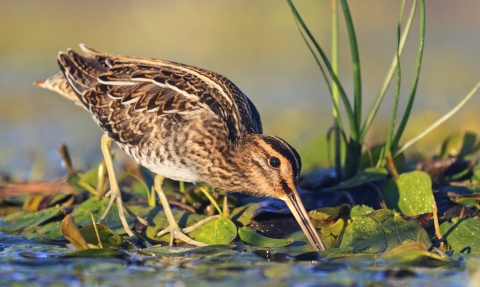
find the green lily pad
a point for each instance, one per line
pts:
(411, 193)
(462, 235)
(364, 176)
(108, 238)
(328, 213)
(97, 207)
(331, 221)
(399, 228)
(219, 231)
(24, 220)
(251, 237)
(364, 234)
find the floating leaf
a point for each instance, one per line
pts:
(462, 234)
(331, 221)
(70, 230)
(364, 176)
(99, 253)
(251, 237)
(399, 228)
(51, 231)
(24, 220)
(157, 221)
(410, 194)
(108, 238)
(413, 253)
(244, 214)
(97, 208)
(365, 235)
(337, 252)
(219, 231)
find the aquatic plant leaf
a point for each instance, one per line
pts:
(70, 230)
(175, 251)
(253, 238)
(157, 221)
(24, 220)
(468, 202)
(459, 145)
(364, 176)
(462, 234)
(219, 231)
(97, 207)
(337, 252)
(364, 234)
(244, 214)
(50, 231)
(399, 228)
(410, 194)
(413, 253)
(108, 238)
(99, 253)
(358, 210)
(328, 213)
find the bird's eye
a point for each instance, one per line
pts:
(274, 162)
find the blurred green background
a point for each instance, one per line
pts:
(254, 43)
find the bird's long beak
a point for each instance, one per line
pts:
(295, 204)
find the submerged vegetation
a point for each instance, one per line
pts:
(378, 213)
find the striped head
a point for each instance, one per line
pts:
(272, 166)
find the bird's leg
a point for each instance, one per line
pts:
(173, 228)
(115, 196)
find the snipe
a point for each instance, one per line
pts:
(184, 123)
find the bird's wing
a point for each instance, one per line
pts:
(132, 91)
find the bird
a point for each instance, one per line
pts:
(184, 123)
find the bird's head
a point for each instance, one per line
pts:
(271, 168)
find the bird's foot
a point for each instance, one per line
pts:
(175, 231)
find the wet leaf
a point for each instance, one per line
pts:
(358, 210)
(70, 230)
(108, 238)
(97, 207)
(399, 228)
(462, 234)
(364, 234)
(328, 213)
(99, 253)
(219, 231)
(364, 176)
(25, 220)
(413, 253)
(411, 193)
(253, 238)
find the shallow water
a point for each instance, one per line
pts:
(23, 262)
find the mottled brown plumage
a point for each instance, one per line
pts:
(182, 122)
